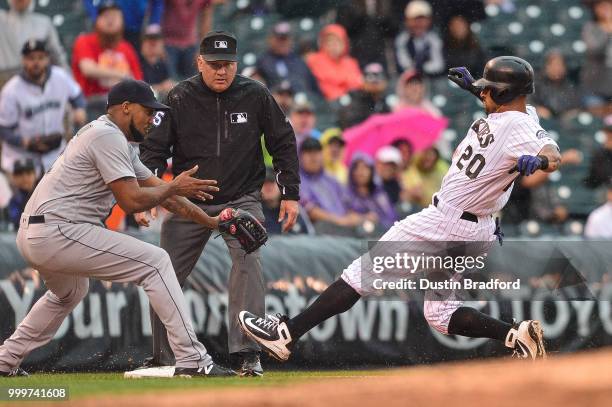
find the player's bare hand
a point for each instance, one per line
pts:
(288, 209)
(186, 185)
(143, 218)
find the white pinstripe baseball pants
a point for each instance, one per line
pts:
(442, 223)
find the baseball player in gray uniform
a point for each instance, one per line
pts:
(63, 237)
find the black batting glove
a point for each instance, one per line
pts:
(464, 79)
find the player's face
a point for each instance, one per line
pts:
(217, 75)
(141, 121)
(489, 105)
(35, 64)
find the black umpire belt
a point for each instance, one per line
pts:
(36, 219)
(469, 216)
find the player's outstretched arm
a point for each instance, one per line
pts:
(133, 198)
(179, 205)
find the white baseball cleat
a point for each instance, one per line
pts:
(270, 332)
(527, 340)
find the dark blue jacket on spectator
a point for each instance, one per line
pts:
(277, 68)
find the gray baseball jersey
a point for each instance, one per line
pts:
(75, 188)
(70, 246)
(35, 110)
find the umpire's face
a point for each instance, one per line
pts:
(217, 75)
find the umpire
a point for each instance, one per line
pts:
(216, 120)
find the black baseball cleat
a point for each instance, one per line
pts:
(270, 332)
(18, 372)
(527, 340)
(212, 370)
(250, 365)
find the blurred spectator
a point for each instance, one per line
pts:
(367, 198)
(23, 180)
(601, 162)
(596, 73)
(371, 26)
(461, 47)
(153, 61)
(33, 108)
(102, 58)
(556, 94)
(303, 120)
(388, 169)
(283, 94)
(253, 73)
(270, 199)
(406, 150)
(418, 47)
(534, 197)
(180, 22)
(280, 63)
(20, 24)
(324, 198)
(290, 9)
(599, 223)
(368, 100)
(135, 13)
(333, 154)
(506, 6)
(5, 197)
(411, 91)
(424, 177)
(336, 71)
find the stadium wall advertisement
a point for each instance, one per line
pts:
(110, 329)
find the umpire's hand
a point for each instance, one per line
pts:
(288, 209)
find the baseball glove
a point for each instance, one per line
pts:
(240, 224)
(44, 144)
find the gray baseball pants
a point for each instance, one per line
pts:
(67, 255)
(184, 241)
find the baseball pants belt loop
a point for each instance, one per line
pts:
(33, 219)
(465, 215)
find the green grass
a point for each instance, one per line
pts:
(91, 384)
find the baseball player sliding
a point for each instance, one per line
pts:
(478, 184)
(62, 232)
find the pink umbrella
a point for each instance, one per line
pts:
(415, 125)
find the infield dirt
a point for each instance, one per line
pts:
(583, 379)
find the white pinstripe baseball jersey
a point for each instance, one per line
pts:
(478, 180)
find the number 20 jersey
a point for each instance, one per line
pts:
(478, 180)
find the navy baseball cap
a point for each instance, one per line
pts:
(134, 91)
(34, 45)
(219, 46)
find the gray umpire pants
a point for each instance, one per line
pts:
(67, 255)
(184, 241)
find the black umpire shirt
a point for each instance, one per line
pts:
(220, 132)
